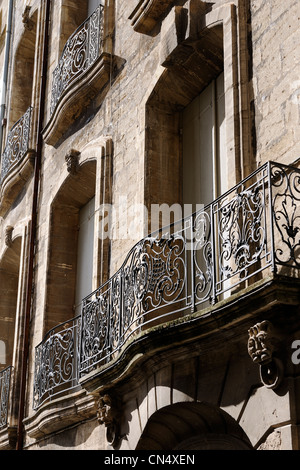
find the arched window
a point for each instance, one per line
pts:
(73, 14)
(23, 74)
(70, 265)
(186, 154)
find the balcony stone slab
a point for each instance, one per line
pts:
(203, 332)
(77, 97)
(57, 414)
(15, 180)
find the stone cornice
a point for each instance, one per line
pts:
(60, 413)
(144, 17)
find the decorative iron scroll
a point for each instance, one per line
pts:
(80, 52)
(188, 266)
(286, 214)
(152, 279)
(16, 144)
(241, 230)
(196, 262)
(5, 377)
(56, 362)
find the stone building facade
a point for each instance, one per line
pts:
(178, 118)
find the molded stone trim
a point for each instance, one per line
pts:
(77, 96)
(146, 14)
(56, 415)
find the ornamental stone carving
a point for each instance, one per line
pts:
(263, 347)
(72, 161)
(28, 23)
(107, 415)
(262, 342)
(8, 236)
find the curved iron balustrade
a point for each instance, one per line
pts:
(190, 265)
(80, 52)
(56, 362)
(196, 262)
(5, 377)
(16, 145)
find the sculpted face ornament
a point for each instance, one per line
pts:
(263, 344)
(107, 415)
(72, 161)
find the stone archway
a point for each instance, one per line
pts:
(193, 426)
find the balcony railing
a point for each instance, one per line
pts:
(5, 376)
(16, 145)
(197, 262)
(56, 362)
(80, 52)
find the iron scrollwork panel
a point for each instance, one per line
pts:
(5, 378)
(56, 362)
(150, 284)
(241, 231)
(16, 144)
(100, 324)
(286, 214)
(203, 256)
(80, 52)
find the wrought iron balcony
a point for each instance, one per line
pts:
(5, 376)
(79, 54)
(17, 145)
(56, 362)
(194, 264)
(197, 262)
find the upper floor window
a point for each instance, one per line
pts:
(21, 97)
(84, 62)
(9, 296)
(71, 263)
(85, 253)
(73, 14)
(204, 146)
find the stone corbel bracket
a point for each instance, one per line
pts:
(108, 415)
(8, 236)
(28, 23)
(72, 161)
(263, 347)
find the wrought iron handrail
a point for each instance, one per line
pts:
(17, 144)
(56, 362)
(5, 379)
(196, 262)
(80, 52)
